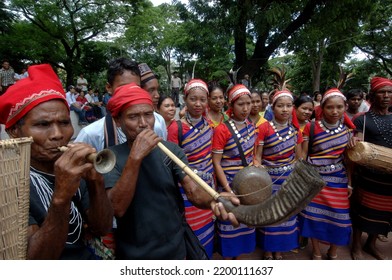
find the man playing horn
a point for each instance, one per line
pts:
(143, 188)
(62, 205)
(372, 196)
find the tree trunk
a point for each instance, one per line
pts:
(262, 51)
(317, 60)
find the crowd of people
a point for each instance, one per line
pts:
(142, 208)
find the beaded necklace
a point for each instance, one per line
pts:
(331, 130)
(281, 138)
(189, 120)
(383, 126)
(237, 133)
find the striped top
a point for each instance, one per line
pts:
(197, 145)
(327, 148)
(224, 143)
(277, 152)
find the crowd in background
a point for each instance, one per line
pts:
(217, 133)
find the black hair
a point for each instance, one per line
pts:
(354, 92)
(19, 123)
(213, 86)
(303, 99)
(162, 98)
(316, 93)
(254, 90)
(119, 65)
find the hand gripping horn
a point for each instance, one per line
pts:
(302, 185)
(103, 161)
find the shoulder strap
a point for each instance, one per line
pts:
(179, 125)
(311, 138)
(240, 150)
(110, 136)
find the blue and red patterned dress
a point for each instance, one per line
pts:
(232, 241)
(278, 156)
(327, 216)
(197, 145)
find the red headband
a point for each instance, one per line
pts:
(237, 91)
(378, 82)
(332, 93)
(40, 86)
(328, 94)
(126, 96)
(282, 93)
(195, 83)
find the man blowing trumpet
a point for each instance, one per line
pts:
(67, 195)
(143, 188)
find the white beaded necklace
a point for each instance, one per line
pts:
(277, 133)
(331, 130)
(237, 133)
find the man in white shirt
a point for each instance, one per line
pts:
(22, 75)
(82, 83)
(104, 133)
(175, 89)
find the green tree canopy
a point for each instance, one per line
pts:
(70, 24)
(376, 35)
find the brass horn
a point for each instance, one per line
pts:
(103, 161)
(302, 185)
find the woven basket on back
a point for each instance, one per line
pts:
(14, 197)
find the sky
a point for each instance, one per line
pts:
(158, 2)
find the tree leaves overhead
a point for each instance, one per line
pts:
(208, 37)
(6, 19)
(376, 35)
(72, 23)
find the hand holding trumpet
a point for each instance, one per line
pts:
(71, 167)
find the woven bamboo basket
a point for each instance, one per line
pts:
(14, 197)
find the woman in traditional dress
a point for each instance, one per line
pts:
(216, 101)
(167, 109)
(327, 218)
(228, 158)
(304, 107)
(195, 137)
(277, 148)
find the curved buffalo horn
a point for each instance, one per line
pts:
(302, 185)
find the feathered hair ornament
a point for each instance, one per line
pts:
(334, 92)
(280, 84)
(281, 89)
(343, 78)
(278, 80)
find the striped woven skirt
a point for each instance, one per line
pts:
(327, 216)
